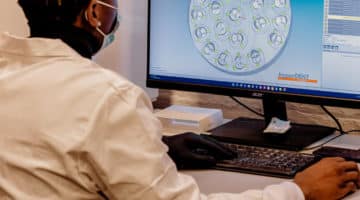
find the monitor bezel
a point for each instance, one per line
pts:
(240, 92)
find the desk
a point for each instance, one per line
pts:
(215, 181)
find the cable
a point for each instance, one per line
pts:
(247, 107)
(340, 128)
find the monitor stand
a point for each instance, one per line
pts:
(250, 131)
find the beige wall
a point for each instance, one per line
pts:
(299, 113)
(12, 19)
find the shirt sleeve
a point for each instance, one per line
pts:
(124, 157)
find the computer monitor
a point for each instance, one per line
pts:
(304, 51)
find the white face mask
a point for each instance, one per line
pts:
(110, 37)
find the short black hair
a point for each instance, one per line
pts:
(51, 11)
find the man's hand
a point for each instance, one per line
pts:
(190, 150)
(330, 179)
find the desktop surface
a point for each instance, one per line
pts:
(215, 181)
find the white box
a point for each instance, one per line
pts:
(190, 118)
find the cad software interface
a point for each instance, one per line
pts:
(289, 46)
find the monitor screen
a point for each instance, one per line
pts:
(298, 50)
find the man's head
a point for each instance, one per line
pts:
(97, 17)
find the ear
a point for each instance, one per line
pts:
(92, 14)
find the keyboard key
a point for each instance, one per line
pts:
(266, 161)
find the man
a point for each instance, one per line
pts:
(72, 130)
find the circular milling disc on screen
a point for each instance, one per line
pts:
(240, 36)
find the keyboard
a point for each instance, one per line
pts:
(266, 161)
(348, 154)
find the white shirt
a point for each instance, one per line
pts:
(69, 129)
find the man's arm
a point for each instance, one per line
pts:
(128, 159)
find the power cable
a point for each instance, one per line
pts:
(247, 107)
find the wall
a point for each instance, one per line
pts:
(12, 18)
(126, 56)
